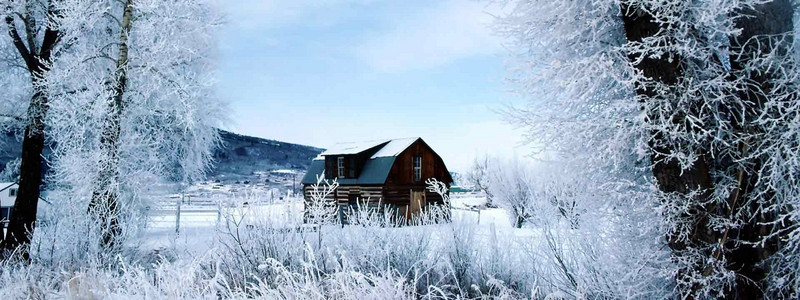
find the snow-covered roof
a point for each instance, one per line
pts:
(5, 185)
(375, 170)
(394, 147)
(352, 147)
(388, 148)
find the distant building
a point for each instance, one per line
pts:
(392, 172)
(8, 194)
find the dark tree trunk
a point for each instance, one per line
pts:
(25, 207)
(761, 33)
(37, 61)
(746, 259)
(670, 176)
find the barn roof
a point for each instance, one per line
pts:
(6, 185)
(352, 148)
(376, 169)
(394, 147)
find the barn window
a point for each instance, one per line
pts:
(351, 168)
(12, 192)
(340, 165)
(417, 168)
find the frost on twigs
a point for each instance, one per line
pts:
(679, 121)
(319, 209)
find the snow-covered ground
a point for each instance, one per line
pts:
(200, 219)
(474, 205)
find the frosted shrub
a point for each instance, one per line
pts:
(434, 255)
(266, 252)
(318, 209)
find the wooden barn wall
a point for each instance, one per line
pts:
(401, 178)
(371, 193)
(432, 166)
(401, 195)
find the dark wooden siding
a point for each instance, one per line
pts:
(400, 182)
(371, 193)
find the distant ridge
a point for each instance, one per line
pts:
(239, 158)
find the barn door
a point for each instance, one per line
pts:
(417, 203)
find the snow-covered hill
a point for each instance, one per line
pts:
(255, 159)
(241, 158)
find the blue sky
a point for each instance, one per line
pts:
(326, 71)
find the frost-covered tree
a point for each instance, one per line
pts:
(11, 171)
(478, 178)
(318, 207)
(142, 108)
(688, 107)
(32, 40)
(532, 191)
(511, 185)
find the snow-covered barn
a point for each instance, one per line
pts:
(389, 172)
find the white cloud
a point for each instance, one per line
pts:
(447, 32)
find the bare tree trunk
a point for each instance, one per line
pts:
(37, 60)
(105, 198)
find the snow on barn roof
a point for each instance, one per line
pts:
(388, 147)
(376, 169)
(395, 147)
(351, 148)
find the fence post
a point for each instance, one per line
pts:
(219, 212)
(178, 214)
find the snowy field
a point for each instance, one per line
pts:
(256, 245)
(199, 222)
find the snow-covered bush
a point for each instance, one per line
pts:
(266, 250)
(434, 254)
(531, 191)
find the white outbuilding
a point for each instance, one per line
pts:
(8, 194)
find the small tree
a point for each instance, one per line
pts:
(318, 208)
(478, 177)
